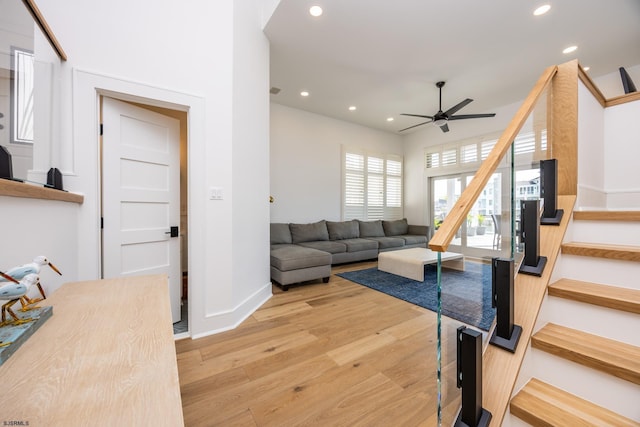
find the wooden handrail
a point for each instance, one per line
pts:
(441, 240)
(591, 86)
(46, 29)
(597, 94)
(622, 99)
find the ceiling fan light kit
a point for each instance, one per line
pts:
(441, 119)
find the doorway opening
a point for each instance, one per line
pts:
(144, 196)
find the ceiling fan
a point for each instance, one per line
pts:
(441, 119)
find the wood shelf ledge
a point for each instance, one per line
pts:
(29, 191)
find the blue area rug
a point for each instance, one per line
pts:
(466, 295)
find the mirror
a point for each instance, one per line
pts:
(28, 70)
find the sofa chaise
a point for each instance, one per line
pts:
(303, 252)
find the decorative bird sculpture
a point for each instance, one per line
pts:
(34, 267)
(14, 291)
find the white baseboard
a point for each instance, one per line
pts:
(230, 319)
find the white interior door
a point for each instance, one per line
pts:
(141, 195)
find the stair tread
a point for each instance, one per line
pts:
(541, 404)
(619, 252)
(612, 357)
(624, 299)
(596, 215)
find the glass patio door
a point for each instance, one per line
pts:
(480, 234)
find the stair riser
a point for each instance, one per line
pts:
(605, 322)
(598, 270)
(619, 233)
(513, 421)
(602, 389)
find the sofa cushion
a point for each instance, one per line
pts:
(309, 232)
(395, 228)
(357, 245)
(280, 233)
(294, 257)
(343, 230)
(334, 247)
(371, 228)
(411, 239)
(388, 242)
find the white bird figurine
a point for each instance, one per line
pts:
(14, 291)
(34, 267)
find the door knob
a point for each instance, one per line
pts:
(173, 232)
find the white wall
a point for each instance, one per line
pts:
(306, 162)
(194, 54)
(608, 175)
(591, 185)
(250, 152)
(621, 154)
(33, 227)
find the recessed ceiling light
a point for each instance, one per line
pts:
(542, 10)
(315, 11)
(389, 119)
(570, 49)
(352, 108)
(304, 93)
(586, 68)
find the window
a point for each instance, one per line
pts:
(372, 186)
(22, 96)
(486, 147)
(433, 160)
(467, 155)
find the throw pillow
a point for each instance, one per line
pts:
(395, 228)
(309, 232)
(343, 230)
(280, 234)
(371, 228)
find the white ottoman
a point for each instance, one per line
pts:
(410, 263)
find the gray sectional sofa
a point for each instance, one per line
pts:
(302, 252)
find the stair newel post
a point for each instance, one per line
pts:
(506, 334)
(469, 378)
(549, 192)
(532, 263)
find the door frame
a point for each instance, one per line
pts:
(87, 89)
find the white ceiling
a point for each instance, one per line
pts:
(385, 57)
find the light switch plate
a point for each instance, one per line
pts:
(215, 193)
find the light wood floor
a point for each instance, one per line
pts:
(321, 354)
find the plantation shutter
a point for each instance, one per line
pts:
(354, 200)
(375, 188)
(372, 186)
(393, 208)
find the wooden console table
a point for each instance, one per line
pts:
(106, 357)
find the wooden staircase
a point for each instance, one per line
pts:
(586, 342)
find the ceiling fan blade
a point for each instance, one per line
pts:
(445, 127)
(419, 124)
(457, 107)
(417, 115)
(471, 116)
